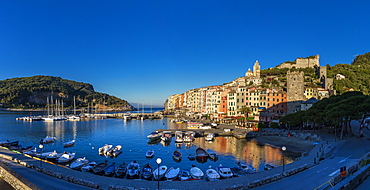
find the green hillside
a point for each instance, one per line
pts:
(357, 75)
(33, 92)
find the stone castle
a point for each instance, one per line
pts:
(312, 62)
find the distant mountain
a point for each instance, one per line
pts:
(35, 92)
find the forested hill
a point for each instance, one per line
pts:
(357, 75)
(33, 92)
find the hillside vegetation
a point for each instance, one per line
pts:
(33, 92)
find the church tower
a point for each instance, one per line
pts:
(256, 69)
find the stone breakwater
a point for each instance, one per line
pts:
(13, 178)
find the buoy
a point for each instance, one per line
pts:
(92, 147)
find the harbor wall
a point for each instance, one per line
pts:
(14, 179)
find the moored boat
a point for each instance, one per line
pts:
(185, 175)
(191, 157)
(246, 167)
(177, 156)
(154, 135)
(66, 157)
(53, 156)
(121, 170)
(99, 169)
(196, 172)
(47, 140)
(79, 163)
(212, 155)
(133, 170)
(147, 171)
(69, 143)
(149, 153)
(179, 136)
(172, 173)
(89, 167)
(105, 149)
(166, 136)
(109, 170)
(159, 172)
(224, 171)
(201, 155)
(117, 150)
(210, 137)
(211, 174)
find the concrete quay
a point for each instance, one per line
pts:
(91, 181)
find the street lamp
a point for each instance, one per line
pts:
(283, 149)
(159, 161)
(41, 147)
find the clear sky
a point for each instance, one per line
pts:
(147, 50)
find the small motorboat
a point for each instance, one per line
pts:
(179, 137)
(121, 170)
(268, 166)
(117, 150)
(105, 149)
(237, 171)
(224, 171)
(99, 169)
(177, 156)
(53, 156)
(79, 163)
(66, 157)
(246, 167)
(211, 174)
(154, 135)
(133, 170)
(210, 137)
(43, 155)
(147, 172)
(89, 167)
(212, 155)
(172, 173)
(196, 172)
(149, 153)
(47, 140)
(166, 136)
(69, 143)
(32, 152)
(109, 170)
(159, 172)
(185, 175)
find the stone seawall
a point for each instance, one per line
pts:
(15, 180)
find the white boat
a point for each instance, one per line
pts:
(104, 150)
(154, 135)
(43, 154)
(224, 171)
(159, 172)
(166, 136)
(212, 174)
(210, 137)
(69, 143)
(149, 153)
(196, 172)
(74, 118)
(127, 116)
(185, 175)
(47, 139)
(79, 163)
(89, 167)
(66, 157)
(172, 173)
(189, 136)
(117, 150)
(179, 137)
(53, 156)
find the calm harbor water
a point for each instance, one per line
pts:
(132, 135)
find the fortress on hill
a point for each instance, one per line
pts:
(312, 61)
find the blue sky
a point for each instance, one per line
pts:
(145, 51)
